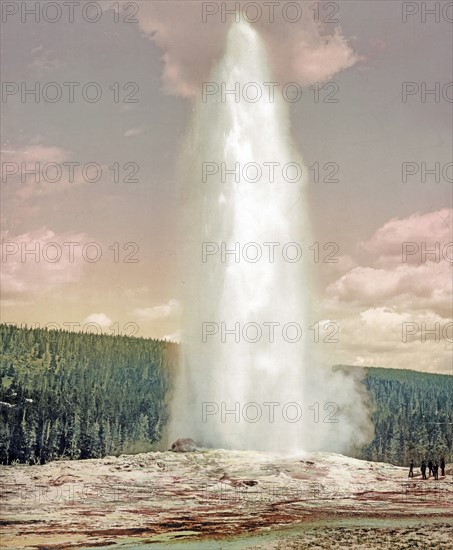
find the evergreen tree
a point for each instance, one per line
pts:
(76, 395)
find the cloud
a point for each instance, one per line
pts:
(386, 337)
(13, 303)
(174, 337)
(427, 286)
(44, 60)
(424, 230)
(100, 319)
(39, 261)
(382, 293)
(307, 55)
(35, 153)
(303, 52)
(133, 132)
(25, 174)
(345, 263)
(38, 169)
(136, 293)
(34, 172)
(172, 309)
(414, 282)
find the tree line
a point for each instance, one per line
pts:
(79, 395)
(412, 416)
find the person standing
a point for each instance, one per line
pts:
(430, 468)
(411, 469)
(436, 470)
(442, 466)
(423, 469)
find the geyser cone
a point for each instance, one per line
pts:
(243, 389)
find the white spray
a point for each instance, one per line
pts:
(243, 360)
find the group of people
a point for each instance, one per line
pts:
(433, 468)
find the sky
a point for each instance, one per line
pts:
(123, 271)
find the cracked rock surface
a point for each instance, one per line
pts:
(213, 495)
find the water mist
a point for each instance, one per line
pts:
(243, 363)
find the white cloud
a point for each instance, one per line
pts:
(44, 60)
(133, 132)
(171, 309)
(427, 286)
(100, 319)
(174, 337)
(386, 337)
(376, 302)
(48, 267)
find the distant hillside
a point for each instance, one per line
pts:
(413, 415)
(77, 395)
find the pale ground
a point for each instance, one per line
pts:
(218, 499)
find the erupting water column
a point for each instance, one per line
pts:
(239, 389)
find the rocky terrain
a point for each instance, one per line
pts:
(224, 499)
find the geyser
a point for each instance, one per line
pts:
(243, 390)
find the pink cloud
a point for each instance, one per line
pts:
(304, 52)
(411, 282)
(373, 300)
(386, 244)
(307, 54)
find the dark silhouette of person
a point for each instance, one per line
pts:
(442, 466)
(411, 469)
(423, 469)
(430, 467)
(436, 470)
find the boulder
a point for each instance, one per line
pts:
(184, 445)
